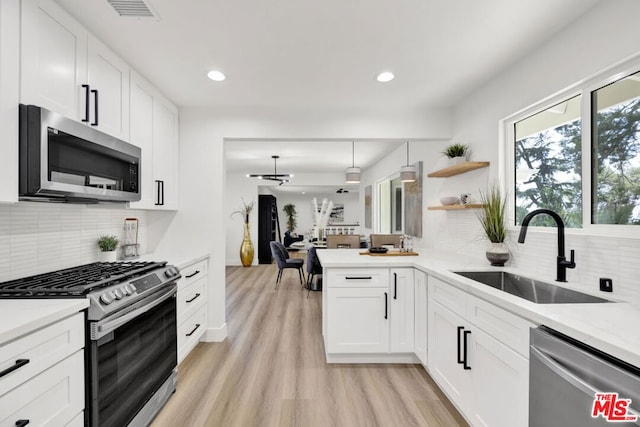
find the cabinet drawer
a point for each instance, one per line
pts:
(506, 327)
(58, 391)
(191, 297)
(42, 349)
(192, 272)
(357, 277)
(448, 295)
(190, 331)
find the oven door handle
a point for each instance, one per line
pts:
(101, 329)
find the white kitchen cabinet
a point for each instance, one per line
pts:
(191, 305)
(420, 316)
(58, 57)
(487, 379)
(358, 320)
(154, 128)
(369, 313)
(401, 302)
(46, 385)
(9, 98)
(165, 153)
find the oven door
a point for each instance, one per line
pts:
(130, 356)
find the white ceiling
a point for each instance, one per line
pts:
(298, 157)
(325, 54)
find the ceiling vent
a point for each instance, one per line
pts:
(140, 9)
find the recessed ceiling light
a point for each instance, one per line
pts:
(385, 76)
(216, 75)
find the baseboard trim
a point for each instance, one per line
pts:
(215, 334)
(373, 358)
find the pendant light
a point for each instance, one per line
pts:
(353, 173)
(408, 172)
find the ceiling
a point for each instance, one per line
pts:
(325, 54)
(308, 156)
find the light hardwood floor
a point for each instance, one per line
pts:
(271, 371)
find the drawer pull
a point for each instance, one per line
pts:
(22, 423)
(189, 276)
(194, 330)
(19, 364)
(192, 299)
(358, 277)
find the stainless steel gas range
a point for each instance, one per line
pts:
(131, 339)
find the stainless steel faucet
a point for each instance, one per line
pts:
(561, 261)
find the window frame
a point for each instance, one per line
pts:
(506, 154)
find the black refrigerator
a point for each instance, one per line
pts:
(268, 226)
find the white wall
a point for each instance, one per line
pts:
(37, 237)
(201, 222)
(604, 36)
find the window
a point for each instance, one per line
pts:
(616, 153)
(580, 155)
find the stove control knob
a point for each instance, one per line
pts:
(118, 294)
(106, 299)
(127, 290)
(133, 287)
(171, 272)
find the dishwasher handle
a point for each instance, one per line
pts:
(563, 373)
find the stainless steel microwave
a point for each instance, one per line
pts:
(67, 161)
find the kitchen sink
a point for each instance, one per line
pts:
(530, 289)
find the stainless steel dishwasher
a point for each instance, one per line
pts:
(572, 384)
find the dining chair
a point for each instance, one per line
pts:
(378, 240)
(335, 241)
(314, 268)
(281, 255)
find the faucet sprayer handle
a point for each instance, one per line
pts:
(572, 262)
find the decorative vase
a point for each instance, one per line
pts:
(456, 160)
(498, 254)
(246, 248)
(108, 256)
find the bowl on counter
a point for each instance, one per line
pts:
(378, 250)
(447, 201)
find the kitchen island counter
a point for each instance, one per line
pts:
(609, 327)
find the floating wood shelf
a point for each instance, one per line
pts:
(458, 169)
(456, 207)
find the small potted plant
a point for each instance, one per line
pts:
(108, 245)
(457, 153)
(492, 219)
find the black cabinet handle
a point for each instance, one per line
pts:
(19, 364)
(464, 343)
(460, 359)
(95, 106)
(358, 277)
(22, 423)
(395, 285)
(189, 276)
(194, 330)
(193, 299)
(86, 103)
(386, 305)
(159, 192)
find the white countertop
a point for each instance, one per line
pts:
(19, 317)
(179, 259)
(609, 327)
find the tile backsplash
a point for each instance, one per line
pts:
(596, 256)
(38, 237)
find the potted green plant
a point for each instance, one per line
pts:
(108, 245)
(290, 211)
(457, 153)
(492, 219)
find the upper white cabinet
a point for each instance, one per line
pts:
(154, 128)
(9, 96)
(66, 70)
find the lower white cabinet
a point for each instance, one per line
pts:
(191, 305)
(485, 378)
(369, 311)
(420, 316)
(43, 376)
